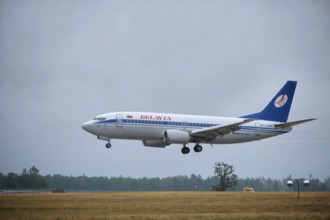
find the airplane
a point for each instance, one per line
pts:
(162, 129)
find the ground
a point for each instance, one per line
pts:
(166, 205)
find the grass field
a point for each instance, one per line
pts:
(166, 205)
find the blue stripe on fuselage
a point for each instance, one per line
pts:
(191, 125)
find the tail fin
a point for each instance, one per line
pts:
(279, 107)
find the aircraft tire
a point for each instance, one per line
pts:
(185, 150)
(198, 148)
(108, 145)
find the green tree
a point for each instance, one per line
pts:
(12, 181)
(226, 175)
(32, 179)
(1, 181)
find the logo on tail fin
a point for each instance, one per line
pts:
(281, 100)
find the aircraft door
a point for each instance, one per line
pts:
(119, 120)
(258, 127)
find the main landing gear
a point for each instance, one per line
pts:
(198, 148)
(185, 150)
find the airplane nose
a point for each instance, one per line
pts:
(87, 126)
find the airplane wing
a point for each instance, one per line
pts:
(293, 123)
(219, 130)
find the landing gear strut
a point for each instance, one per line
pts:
(185, 150)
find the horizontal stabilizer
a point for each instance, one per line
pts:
(293, 123)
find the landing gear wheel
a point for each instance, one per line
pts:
(198, 148)
(185, 150)
(108, 145)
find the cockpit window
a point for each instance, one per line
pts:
(99, 118)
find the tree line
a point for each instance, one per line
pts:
(28, 179)
(31, 179)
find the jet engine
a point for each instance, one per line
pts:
(154, 143)
(176, 137)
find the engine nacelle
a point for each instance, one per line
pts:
(176, 137)
(154, 143)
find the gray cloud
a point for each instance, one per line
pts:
(62, 63)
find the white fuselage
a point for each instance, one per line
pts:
(151, 126)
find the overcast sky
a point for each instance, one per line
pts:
(63, 62)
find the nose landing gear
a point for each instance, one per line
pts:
(108, 145)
